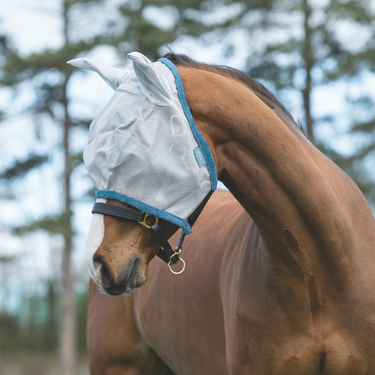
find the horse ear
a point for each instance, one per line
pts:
(153, 84)
(113, 76)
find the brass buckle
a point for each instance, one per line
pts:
(170, 263)
(144, 220)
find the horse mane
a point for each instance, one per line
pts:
(183, 60)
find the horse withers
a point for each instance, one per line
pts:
(279, 272)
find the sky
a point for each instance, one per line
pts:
(27, 22)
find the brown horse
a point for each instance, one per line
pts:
(280, 275)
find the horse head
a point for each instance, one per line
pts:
(119, 250)
(150, 166)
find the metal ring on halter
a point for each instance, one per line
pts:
(144, 220)
(170, 263)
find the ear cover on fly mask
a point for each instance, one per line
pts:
(113, 76)
(153, 84)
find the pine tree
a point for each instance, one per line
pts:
(151, 25)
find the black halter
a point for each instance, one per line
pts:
(166, 253)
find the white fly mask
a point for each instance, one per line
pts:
(144, 148)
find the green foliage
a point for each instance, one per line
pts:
(81, 300)
(76, 159)
(360, 164)
(20, 168)
(9, 331)
(146, 30)
(36, 327)
(52, 224)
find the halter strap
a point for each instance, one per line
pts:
(166, 253)
(116, 211)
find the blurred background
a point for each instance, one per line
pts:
(317, 56)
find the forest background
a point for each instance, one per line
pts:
(317, 56)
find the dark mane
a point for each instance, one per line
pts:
(183, 60)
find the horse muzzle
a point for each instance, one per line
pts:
(115, 285)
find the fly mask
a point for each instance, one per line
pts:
(145, 150)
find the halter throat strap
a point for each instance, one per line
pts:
(166, 253)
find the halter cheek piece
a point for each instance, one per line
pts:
(166, 253)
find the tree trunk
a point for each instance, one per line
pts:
(67, 334)
(308, 58)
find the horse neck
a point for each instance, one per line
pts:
(300, 201)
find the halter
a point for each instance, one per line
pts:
(166, 252)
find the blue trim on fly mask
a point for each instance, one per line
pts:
(197, 134)
(107, 194)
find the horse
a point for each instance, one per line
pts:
(280, 270)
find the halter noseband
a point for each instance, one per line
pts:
(166, 253)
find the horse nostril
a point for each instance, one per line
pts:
(98, 272)
(103, 273)
(133, 273)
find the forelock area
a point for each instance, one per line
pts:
(183, 60)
